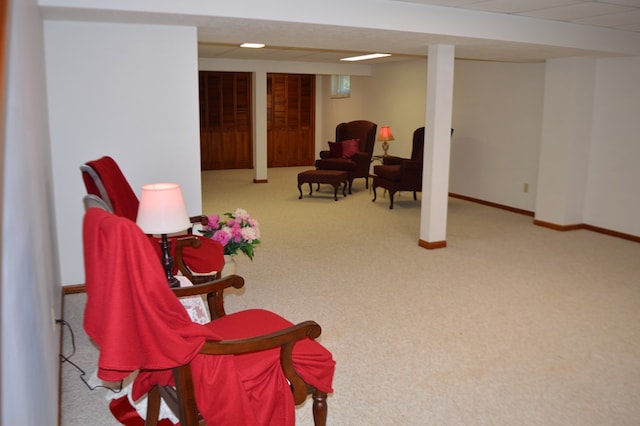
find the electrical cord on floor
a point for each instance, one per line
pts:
(66, 358)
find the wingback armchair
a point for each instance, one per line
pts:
(352, 150)
(401, 174)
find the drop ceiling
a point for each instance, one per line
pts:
(327, 44)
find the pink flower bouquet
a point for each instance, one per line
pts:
(236, 231)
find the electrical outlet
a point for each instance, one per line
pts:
(526, 187)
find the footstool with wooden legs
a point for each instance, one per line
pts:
(331, 177)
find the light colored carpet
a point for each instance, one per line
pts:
(511, 324)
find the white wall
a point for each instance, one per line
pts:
(399, 101)
(613, 197)
(340, 110)
(497, 111)
(589, 157)
(30, 288)
(394, 95)
(128, 91)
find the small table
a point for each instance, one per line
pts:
(332, 177)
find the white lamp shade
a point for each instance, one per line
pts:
(162, 209)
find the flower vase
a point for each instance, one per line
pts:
(229, 265)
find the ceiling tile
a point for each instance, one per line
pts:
(510, 6)
(634, 27)
(613, 20)
(578, 11)
(448, 3)
(635, 3)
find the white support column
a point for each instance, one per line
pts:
(260, 126)
(435, 174)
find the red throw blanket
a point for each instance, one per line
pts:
(123, 200)
(138, 323)
(206, 258)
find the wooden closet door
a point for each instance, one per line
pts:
(225, 120)
(290, 120)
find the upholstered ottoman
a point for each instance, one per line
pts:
(331, 177)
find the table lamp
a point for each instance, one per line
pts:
(162, 211)
(385, 136)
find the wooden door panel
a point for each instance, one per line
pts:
(290, 120)
(277, 149)
(225, 120)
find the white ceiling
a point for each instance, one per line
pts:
(618, 14)
(325, 43)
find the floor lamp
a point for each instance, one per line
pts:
(162, 211)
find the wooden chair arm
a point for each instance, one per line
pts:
(411, 165)
(263, 342)
(187, 241)
(361, 157)
(285, 339)
(201, 219)
(181, 243)
(393, 160)
(214, 291)
(214, 286)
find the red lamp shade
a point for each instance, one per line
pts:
(385, 134)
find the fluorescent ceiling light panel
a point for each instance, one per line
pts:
(252, 45)
(365, 57)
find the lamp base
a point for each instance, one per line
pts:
(167, 261)
(385, 147)
(173, 282)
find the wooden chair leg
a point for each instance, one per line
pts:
(319, 408)
(187, 408)
(153, 407)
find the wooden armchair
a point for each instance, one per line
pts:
(355, 161)
(248, 367)
(198, 258)
(401, 174)
(181, 398)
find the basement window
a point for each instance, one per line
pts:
(340, 86)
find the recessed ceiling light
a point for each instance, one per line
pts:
(252, 45)
(365, 57)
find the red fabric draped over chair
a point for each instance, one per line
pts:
(208, 257)
(138, 323)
